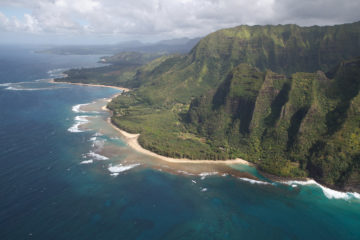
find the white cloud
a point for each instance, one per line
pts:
(168, 18)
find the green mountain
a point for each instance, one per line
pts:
(283, 49)
(285, 97)
(290, 126)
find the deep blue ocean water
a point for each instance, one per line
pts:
(46, 194)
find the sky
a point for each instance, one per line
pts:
(114, 21)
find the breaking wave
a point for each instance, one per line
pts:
(252, 181)
(79, 120)
(87, 161)
(205, 174)
(97, 156)
(97, 143)
(77, 107)
(21, 86)
(329, 193)
(115, 170)
(57, 73)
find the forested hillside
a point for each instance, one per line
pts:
(285, 97)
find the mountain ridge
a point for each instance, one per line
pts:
(284, 97)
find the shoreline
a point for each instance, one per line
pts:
(329, 191)
(92, 85)
(132, 141)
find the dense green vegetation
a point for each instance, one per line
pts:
(290, 126)
(131, 58)
(122, 70)
(285, 97)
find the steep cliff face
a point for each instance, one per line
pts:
(260, 93)
(282, 48)
(334, 158)
(285, 49)
(291, 126)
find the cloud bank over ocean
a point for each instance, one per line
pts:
(160, 19)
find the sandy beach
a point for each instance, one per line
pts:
(93, 85)
(132, 139)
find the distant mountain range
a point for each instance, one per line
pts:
(180, 45)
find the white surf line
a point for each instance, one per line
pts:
(115, 170)
(329, 193)
(252, 181)
(79, 120)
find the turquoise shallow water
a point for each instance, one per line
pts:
(45, 193)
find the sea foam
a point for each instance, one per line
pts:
(185, 173)
(252, 181)
(17, 88)
(87, 161)
(75, 128)
(77, 107)
(115, 170)
(205, 174)
(329, 193)
(98, 144)
(97, 156)
(57, 73)
(79, 120)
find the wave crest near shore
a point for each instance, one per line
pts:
(252, 181)
(97, 156)
(115, 170)
(329, 193)
(79, 120)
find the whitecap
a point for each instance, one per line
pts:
(204, 189)
(182, 172)
(57, 73)
(17, 88)
(252, 181)
(13, 83)
(98, 144)
(121, 168)
(75, 128)
(82, 118)
(77, 107)
(97, 156)
(329, 193)
(79, 120)
(205, 174)
(87, 161)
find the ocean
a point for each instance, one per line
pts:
(65, 173)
